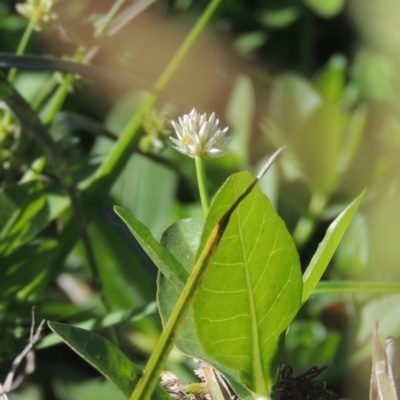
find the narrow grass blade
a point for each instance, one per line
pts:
(327, 247)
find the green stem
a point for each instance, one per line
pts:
(57, 101)
(201, 181)
(105, 20)
(158, 358)
(105, 176)
(20, 50)
(306, 223)
(122, 150)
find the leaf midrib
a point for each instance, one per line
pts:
(256, 357)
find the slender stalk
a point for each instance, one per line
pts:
(105, 20)
(122, 150)
(21, 49)
(201, 181)
(158, 358)
(306, 223)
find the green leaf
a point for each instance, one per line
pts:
(252, 290)
(326, 8)
(239, 114)
(163, 259)
(112, 319)
(327, 247)
(278, 19)
(105, 357)
(354, 287)
(317, 146)
(182, 239)
(134, 190)
(23, 271)
(330, 82)
(30, 207)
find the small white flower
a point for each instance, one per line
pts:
(197, 136)
(37, 11)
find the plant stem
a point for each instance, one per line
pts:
(61, 94)
(201, 181)
(20, 50)
(306, 223)
(105, 20)
(158, 358)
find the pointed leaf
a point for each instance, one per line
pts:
(252, 290)
(161, 257)
(327, 247)
(105, 357)
(182, 239)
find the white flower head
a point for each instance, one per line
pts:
(199, 136)
(37, 11)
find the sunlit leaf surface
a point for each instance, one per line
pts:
(252, 290)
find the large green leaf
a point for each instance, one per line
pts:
(252, 290)
(105, 357)
(327, 247)
(182, 239)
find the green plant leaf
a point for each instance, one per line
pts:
(354, 287)
(105, 357)
(278, 19)
(23, 271)
(112, 319)
(327, 247)
(252, 290)
(182, 239)
(163, 259)
(326, 8)
(41, 204)
(239, 114)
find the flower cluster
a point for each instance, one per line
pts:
(37, 11)
(199, 136)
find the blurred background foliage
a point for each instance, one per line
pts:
(319, 77)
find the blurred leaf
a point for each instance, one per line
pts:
(38, 204)
(277, 19)
(29, 84)
(89, 389)
(327, 247)
(375, 75)
(23, 271)
(325, 8)
(354, 287)
(293, 99)
(12, 200)
(317, 145)
(239, 114)
(112, 319)
(105, 357)
(384, 310)
(256, 268)
(308, 342)
(135, 191)
(330, 82)
(249, 42)
(162, 258)
(352, 254)
(353, 137)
